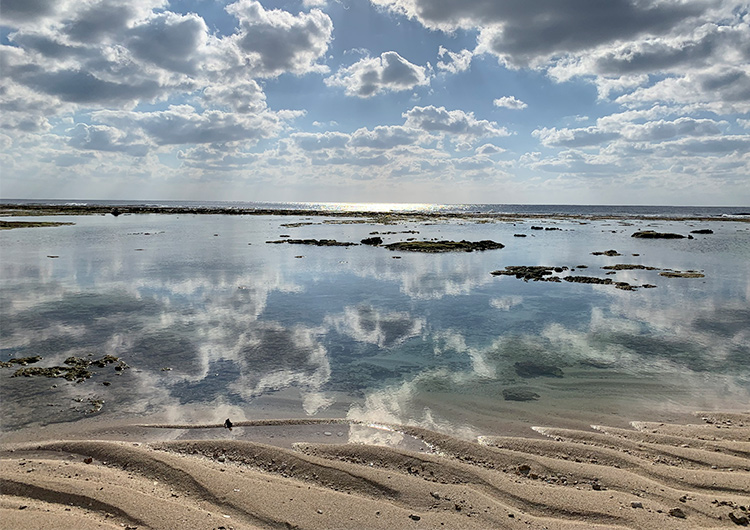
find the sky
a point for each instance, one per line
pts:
(417, 101)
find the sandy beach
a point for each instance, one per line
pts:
(650, 475)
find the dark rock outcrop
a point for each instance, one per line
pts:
(536, 273)
(650, 234)
(444, 246)
(314, 242)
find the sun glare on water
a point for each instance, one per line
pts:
(378, 207)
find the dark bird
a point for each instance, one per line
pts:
(228, 424)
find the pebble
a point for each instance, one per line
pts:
(636, 504)
(414, 517)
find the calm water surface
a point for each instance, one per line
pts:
(215, 322)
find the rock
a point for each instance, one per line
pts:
(607, 253)
(414, 517)
(115, 212)
(519, 235)
(537, 228)
(680, 274)
(588, 279)
(702, 231)
(23, 361)
(314, 242)
(536, 273)
(739, 518)
(228, 424)
(636, 504)
(628, 267)
(519, 394)
(374, 241)
(677, 512)
(650, 234)
(445, 246)
(532, 369)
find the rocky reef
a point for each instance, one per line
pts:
(651, 234)
(681, 274)
(314, 242)
(536, 273)
(444, 246)
(76, 369)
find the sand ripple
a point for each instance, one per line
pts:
(652, 476)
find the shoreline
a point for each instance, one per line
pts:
(653, 474)
(21, 210)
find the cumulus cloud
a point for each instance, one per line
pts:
(182, 124)
(520, 32)
(246, 97)
(104, 138)
(276, 41)
(385, 137)
(489, 149)
(374, 75)
(620, 128)
(510, 102)
(454, 62)
(720, 89)
(439, 120)
(319, 141)
(170, 41)
(573, 137)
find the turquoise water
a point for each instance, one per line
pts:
(215, 322)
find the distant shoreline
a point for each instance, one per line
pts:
(18, 210)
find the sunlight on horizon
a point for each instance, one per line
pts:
(378, 207)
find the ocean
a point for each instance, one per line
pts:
(209, 320)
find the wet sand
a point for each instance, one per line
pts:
(648, 475)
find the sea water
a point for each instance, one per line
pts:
(214, 321)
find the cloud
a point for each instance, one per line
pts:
(173, 42)
(454, 62)
(573, 137)
(182, 124)
(245, 98)
(104, 138)
(208, 158)
(319, 141)
(385, 137)
(721, 89)
(276, 41)
(521, 32)
(374, 75)
(510, 102)
(439, 120)
(619, 127)
(488, 149)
